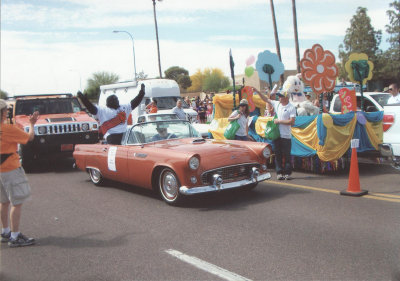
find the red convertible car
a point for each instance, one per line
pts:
(170, 157)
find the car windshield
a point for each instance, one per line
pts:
(162, 117)
(158, 131)
(47, 106)
(168, 102)
(382, 99)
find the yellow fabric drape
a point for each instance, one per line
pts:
(337, 141)
(307, 136)
(260, 125)
(224, 105)
(375, 133)
(217, 128)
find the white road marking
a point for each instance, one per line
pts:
(206, 266)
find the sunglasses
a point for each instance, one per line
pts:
(390, 89)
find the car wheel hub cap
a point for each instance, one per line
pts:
(170, 186)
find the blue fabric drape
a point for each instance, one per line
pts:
(303, 121)
(374, 116)
(342, 119)
(299, 149)
(361, 133)
(321, 130)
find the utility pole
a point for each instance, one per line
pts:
(278, 48)
(158, 44)
(296, 39)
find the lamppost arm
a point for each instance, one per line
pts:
(133, 48)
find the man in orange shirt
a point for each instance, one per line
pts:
(152, 107)
(14, 186)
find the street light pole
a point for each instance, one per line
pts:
(133, 48)
(158, 44)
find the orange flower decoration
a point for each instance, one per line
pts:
(318, 69)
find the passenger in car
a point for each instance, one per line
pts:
(163, 134)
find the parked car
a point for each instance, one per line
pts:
(202, 129)
(373, 101)
(169, 156)
(391, 134)
(151, 117)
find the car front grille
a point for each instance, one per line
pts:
(229, 173)
(67, 128)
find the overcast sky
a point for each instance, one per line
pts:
(53, 46)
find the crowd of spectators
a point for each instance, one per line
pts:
(204, 107)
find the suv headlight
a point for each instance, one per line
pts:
(266, 152)
(85, 127)
(194, 163)
(42, 130)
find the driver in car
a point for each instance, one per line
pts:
(162, 134)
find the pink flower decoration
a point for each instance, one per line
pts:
(318, 69)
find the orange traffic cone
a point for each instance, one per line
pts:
(354, 189)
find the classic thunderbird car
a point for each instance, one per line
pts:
(170, 157)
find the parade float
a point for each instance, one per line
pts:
(320, 142)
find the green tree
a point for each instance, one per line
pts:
(98, 79)
(197, 82)
(392, 55)
(180, 75)
(361, 37)
(3, 95)
(141, 75)
(214, 80)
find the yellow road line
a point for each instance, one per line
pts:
(385, 195)
(382, 198)
(306, 187)
(376, 196)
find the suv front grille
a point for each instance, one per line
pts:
(56, 129)
(229, 173)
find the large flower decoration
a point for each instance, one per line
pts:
(359, 68)
(269, 67)
(318, 69)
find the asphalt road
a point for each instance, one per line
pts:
(278, 231)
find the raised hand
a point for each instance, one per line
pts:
(34, 117)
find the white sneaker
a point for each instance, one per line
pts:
(280, 177)
(287, 177)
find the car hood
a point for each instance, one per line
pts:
(55, 118)
(213, 153)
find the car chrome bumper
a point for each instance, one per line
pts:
(211, 188)
(386, 150)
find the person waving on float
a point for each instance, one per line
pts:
(113, 117)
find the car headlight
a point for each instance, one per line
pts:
(42, 130)
(194, 163)
(266, 152)
(85, 127)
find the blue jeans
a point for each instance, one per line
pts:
(282, 151)
(242, 138)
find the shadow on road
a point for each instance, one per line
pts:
(82, 241)
(234, 200)
(55, 165)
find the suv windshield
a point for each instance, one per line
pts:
(381, 98)
(168, 102)
(47, 106)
